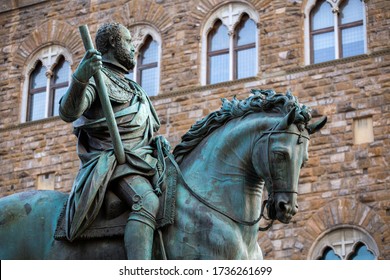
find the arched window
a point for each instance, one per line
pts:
(322, 33)
(147, 43)
(47, 79)
(245, 49)
(148, 66)
(59, 83)
(230, 44)
(334, 29)
(361, 252)
(218, 54)
(351, 28)
(329, 254)
(37, 93)
(345, 243)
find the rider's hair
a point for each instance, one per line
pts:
(104, 33)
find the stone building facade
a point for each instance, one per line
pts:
(344, 195)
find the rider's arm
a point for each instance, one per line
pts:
(80, 94)
(76, 100)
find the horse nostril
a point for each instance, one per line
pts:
(282, 206)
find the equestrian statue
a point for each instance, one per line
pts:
(132, 198)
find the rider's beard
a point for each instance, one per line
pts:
(124, 57)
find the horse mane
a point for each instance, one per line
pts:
(260, 101)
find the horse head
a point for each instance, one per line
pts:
(279, 154)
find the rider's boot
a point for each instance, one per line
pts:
(139, 234)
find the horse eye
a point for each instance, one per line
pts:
(280, 156)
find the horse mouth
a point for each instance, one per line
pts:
(284, 218)
(277, 214)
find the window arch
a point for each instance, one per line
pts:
(322, 33)
(361, 252)
(147, 66)
(350, 26)
(334, 29)
(59, 83)
(37, 93)
(230, 44)
(218, 54)
(245, 48)
(147, 42)
(329, 254)
(47, 79)
(344, 243)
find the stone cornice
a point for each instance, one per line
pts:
(30, 124)
(338, 61)
(13, 5)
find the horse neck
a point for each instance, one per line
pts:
(225, 154)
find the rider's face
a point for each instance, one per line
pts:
(124, 51)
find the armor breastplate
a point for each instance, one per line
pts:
(119, 88)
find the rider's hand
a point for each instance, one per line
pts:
(165, 143)
(89, 65)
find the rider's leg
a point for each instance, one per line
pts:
(138, 193)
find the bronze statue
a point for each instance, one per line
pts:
(134, 182)
(224, 163)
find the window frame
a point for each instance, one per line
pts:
(337, 27)
(245, 17)
(341, 27)
(318, 31)
(327, 238)
(211, 53)
(53, 86)
(141, 67)
(355, 248)
(230, 14)
(140, 34)
(49, 57)
(34, 91)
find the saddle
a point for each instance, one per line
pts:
(112, 218)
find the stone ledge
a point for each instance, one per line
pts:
(13, 5)
(337, 61)
(31, 123)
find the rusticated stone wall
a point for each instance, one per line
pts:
(342, 184)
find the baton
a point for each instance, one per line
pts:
(105, 101)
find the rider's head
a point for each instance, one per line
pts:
(113, 41)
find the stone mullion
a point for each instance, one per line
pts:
(49, 74)
(336, 34)
(231, 55)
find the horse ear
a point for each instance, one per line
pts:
(287, 120)
(314, 127)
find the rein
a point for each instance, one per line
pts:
(205, 202)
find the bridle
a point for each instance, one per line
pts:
(268, 176)
(268, 180)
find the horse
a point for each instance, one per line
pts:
(224, 163)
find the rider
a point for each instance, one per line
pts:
(133, 182)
